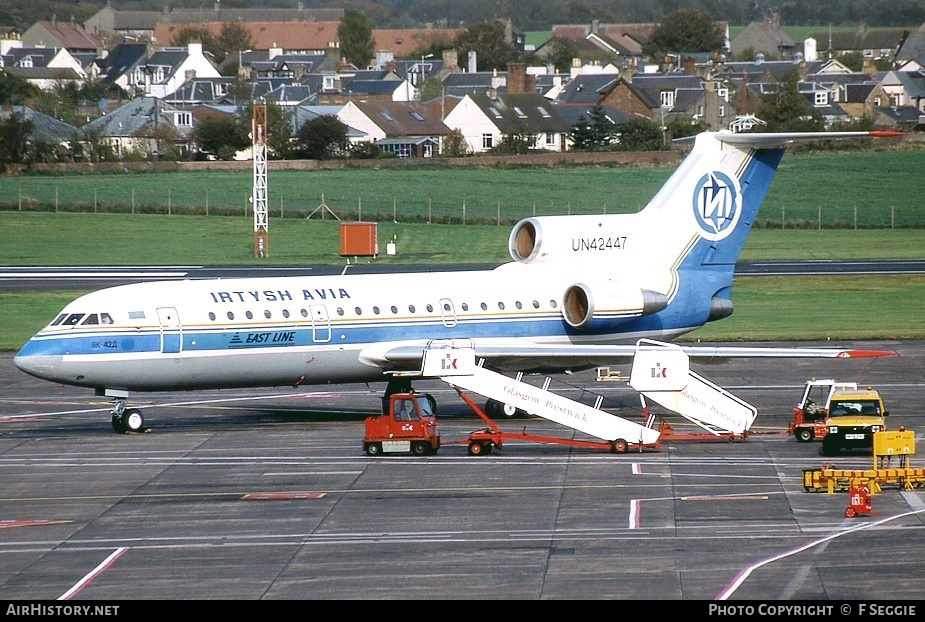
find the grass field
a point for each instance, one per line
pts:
(41, 239)
(836, 189)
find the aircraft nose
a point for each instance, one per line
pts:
(45, 366)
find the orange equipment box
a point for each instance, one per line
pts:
(358, 239)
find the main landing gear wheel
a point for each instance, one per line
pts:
(500, 410)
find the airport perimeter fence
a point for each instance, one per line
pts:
(48, 195)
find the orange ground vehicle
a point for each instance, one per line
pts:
(809, 415)
(409, 425)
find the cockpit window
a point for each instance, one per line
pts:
(105, 318)
(93, 318)
(73, 319)
(58, 319)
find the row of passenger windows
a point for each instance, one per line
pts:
(378, 311)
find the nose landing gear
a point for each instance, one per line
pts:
(126, 420)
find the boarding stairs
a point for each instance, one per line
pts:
(660, 372)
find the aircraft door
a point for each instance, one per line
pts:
(171, 330)
(448, 312)
(321, 324)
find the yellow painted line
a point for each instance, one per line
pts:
(282, 496)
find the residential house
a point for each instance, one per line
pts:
(765, 37)
(861, 99)
(145, 125)
(905, 88)
(656, 97)
(901, 118)
(207, 91)
(43, 67)
(912, 50)
(873, 43)
(140, 25)
(407, 129)
(166, 70)
(61, 34)
(597, 41)
(408, 42)
(293, 37)
(571, 113)
(484, 120)
(124, 67)
(302, 114)
(44, 127)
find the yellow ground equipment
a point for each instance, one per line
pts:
(895, 445)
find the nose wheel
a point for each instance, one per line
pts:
(126, 420)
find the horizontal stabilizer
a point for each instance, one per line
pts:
(772, 140)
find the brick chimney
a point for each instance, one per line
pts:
(518, 81)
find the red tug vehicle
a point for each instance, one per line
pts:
(408, 425)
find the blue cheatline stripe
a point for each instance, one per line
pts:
(354, 333)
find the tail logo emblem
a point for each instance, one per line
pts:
(717, 205)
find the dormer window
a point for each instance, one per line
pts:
(26, 61)
(666, 99)
(822, 99)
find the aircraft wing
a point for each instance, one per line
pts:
(518, 356)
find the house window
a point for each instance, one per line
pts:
(26, 61)
(723, 93)
(487, 141)
(520, 113)
(183, 119)
(666, 99)
(722, 111)
(550, 138)
(822, 99)
(876, 101)
(428, 150)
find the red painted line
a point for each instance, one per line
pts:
(6, 524)
(109, 561)
(282, 496)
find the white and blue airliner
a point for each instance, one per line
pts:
(580, 291)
